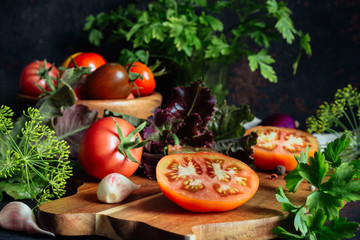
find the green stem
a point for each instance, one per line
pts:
(356, 126)
(349, 121)
(68, 134)
(194, 101)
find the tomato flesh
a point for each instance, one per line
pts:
(206, 181)
(277, 146)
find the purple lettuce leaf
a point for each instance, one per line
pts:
(186, 116)
(72, 125)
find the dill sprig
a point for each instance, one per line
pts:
(342, 115)
(32, 161)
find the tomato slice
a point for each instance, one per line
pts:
(206, 181)
(278, 146)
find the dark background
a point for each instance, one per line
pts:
(38, 29)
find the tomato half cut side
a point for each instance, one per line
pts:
(278, 146)
(206, 181)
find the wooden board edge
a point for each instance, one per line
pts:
(259, 229)
(77, 224)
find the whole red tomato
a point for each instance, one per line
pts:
(110, 81)
(99, 153)
(89, 59)
(145, 84)
(34, 74)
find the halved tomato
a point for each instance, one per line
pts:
(206, 181)
(278, 146)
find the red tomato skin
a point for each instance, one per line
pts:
(89, 59)
(194, 204)
(269, 159)
(29, 78)
(146, 86)
(98, 154)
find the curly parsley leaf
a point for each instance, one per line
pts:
(334, 148)
(294, 179)
(262, 60)
(338, 228)
(341, 184)
(179, 32)
(315, 171)
(284, 24)
(297, 212)
(325, 201)
(319, 216)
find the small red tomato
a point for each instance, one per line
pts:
(147, 84)
(34, 74)
(92, 60)
(110, 81)
(98, 149)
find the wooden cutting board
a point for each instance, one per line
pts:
(148, 214)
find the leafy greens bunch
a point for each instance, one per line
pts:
(193, 118)
(335, 181)
(342, 115)
(192, 35)
(34, 149)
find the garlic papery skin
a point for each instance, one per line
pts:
(17, 216)
(114, 188)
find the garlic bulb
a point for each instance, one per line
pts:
(114, 188)
(17, 216)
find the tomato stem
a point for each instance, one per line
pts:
(126, 143)
(43, 73)
(133, 77)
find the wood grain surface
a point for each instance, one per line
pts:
(148, 214)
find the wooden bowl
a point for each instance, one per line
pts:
(141, 107)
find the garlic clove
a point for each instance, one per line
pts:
(114, 188)
(17, 216)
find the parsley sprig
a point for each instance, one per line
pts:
(335, 182)
(194, 35)
(32, 160)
